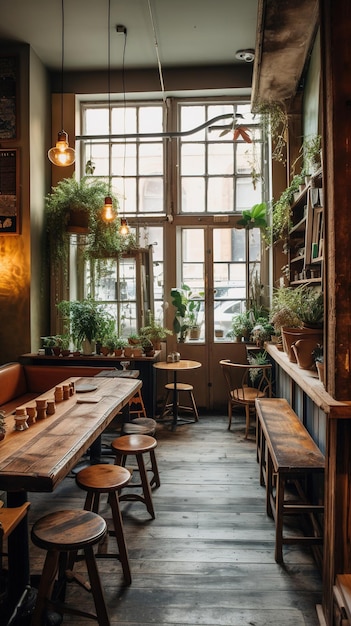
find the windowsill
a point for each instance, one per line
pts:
(309, 382)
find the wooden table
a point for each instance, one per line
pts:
(39, 458)
(175, 367)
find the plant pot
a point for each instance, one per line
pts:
(137, 352)
(88, 347)
(194, 333)
(219, 332)
(118, 352)
(156, 344)
(104, 350)
(291, 335)
(56, 350)
(303, 350)
(78, 222)
(65, 352)
(128, 352)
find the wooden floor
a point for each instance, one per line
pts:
(208, 557)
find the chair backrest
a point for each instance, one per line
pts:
(237, 376)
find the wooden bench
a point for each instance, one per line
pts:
(287, 454)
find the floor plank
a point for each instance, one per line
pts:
(208, 557)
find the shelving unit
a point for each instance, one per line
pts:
(306, 235)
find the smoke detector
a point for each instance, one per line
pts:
(245, 55)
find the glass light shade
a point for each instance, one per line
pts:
(62, 155)
(108, 212)
(124, 228)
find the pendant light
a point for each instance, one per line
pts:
(124, 227)
(62, 155)
(109, 213)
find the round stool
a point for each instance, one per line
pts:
(109, 479)
(141, 426)
(61, 533)
(138, 445)
(181, 387)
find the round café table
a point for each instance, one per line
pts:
(175, 367)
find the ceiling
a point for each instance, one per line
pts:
(172, 36)
(180, 32)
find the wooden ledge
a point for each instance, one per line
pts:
(308, 381)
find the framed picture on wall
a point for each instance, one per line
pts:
(8, 97)
(9, 192)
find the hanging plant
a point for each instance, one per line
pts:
(255, 217)
(84, 198)
(274, 120)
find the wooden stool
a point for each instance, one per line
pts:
(138, 400)
(138, 445)
(109, 479)
(168, 406)
(61, 533)
(140, 425)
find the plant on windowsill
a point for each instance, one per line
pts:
(187, 305)
(242, 326)
(154, 331)
(88, 320)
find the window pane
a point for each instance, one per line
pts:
(246, 195)
(151, 159)
(150, 195)
(192, 117)
(220, 158)
(220, 195)
(193, 195)
(192, 159)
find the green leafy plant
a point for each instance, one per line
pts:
(262, 330)
(274, 120)
(255, 217)
(154, 331)
(187, 305)
(86, 198)
(309, 155)
(88, 319)
(260, 358)
(242, 325)
(281, 210)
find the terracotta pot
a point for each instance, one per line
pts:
(104, 350)
(128, 352)
(303, 350)
(56, 350)
(292, 335)
(118, 352)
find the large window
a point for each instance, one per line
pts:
(216, 171)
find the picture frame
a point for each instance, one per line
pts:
(9, 83)
(9, 192)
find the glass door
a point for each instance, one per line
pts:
(221, 266)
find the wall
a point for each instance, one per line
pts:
(20, 264)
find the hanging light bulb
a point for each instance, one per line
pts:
(124, 227)
(62, 155)
(108, 212)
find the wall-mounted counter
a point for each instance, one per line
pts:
(329, 423)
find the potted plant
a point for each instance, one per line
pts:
(281, 209)
(2, 425)
(76, 206)
(120, 344)
(147, 345)
(154, 331)
(262, 331)
(87, 319)
(48, 344)
(187, 305)
(242, 326)
(255, 217)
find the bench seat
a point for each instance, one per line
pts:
(287, 454)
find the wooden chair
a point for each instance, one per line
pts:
(242, 391)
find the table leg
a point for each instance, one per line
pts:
(18, 556)
(175, 401)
